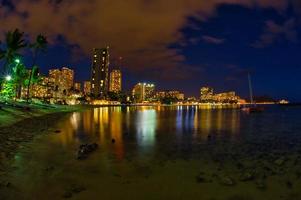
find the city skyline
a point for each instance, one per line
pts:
(201, 45)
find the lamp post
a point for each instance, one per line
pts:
(8, 77)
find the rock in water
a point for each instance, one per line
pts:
(85, 150)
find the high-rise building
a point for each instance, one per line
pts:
(87, 87)
(143, 92)
(67, 78)
(78, 87)
(115, 81)
(206, 94)
(100, 73)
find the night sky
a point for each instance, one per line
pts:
(176, 44)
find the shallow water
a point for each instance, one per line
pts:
(164, 153)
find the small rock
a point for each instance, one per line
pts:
(202, 178)
(226, 180)
(85, 150)
(279, 161)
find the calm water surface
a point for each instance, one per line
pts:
(159, 153)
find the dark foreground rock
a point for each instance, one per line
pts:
(85, 150)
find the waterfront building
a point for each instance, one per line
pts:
(78, 87)
(87, 87)
(206, 95)
(100, 73)
(143, 92)
(39, 90)
(115, 81)
(226, 97)
(174, 94)
(61, 81)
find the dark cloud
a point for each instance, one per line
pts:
(274, 32)
(212, 40)
(140, 31)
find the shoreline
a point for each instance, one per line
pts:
(25, 128)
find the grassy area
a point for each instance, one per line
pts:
(11, 113)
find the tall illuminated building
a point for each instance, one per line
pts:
(115, 81)
(87, 87)
(143, 92)
(100, 73)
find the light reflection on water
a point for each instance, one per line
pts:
(145, 126)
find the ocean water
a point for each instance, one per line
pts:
(165, 152)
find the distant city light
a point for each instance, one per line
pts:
(8, 78)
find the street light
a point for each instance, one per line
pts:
(8, 78)
(17, 60)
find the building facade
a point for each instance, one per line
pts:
(78, 87)
(143, 92)
(61, 81)
(87, 87)
(115, 81)
(206, 95)
(100, 73)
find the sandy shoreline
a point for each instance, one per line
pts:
(26, 127)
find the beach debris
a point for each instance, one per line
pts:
(85, 150)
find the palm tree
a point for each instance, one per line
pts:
(14, 43)
(40, 45)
